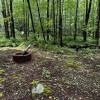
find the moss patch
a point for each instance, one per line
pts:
(72, 56)
(2, 80)
(74, 65)
(2, 71)
(46, 90)
(34, 82)
(1, 95)
(15, 77)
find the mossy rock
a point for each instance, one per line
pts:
(45, 90)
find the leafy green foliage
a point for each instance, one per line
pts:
(46, 73)
(69, 7)
(10, 42)
(86, 50)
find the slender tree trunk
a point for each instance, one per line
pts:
(60, 24)
(62, 6)
(8, 14)
(53, 5)
(47, 19)
(24, 17)
(12, 20)
(28, 24)
(76, 20)
(51, 16)
(7, 5)
(65, 21)
(98, 24)
(70, 21)
(33, 29)
(86, 19)
(62, 10)
(56, 31)
(93, 22)
(40, 20)
(4, 16)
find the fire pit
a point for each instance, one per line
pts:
(18, 57)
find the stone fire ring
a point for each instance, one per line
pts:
(18, 57)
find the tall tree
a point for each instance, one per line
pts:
(5, 16)
(60, 24)
(53, 5)
(33, 28)
(26, 23)
(40, 21)
(86, 18)
(47, 19)
(24, 16)
(57, 10)
(98, 24)
(93, 19)
(8, 14)
(75, 24)
(12, 20)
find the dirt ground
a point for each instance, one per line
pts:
(73, 75)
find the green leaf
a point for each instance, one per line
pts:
(98, 65)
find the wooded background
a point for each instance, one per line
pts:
(51, 20)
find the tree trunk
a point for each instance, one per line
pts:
(60, 24)
(98, 24)
(12, 20)
(5, 22)
(40, 20)
(76, 21)
(51, 16)
(93, 21)
(33, 29)
(53, 5)
(28, 25)
(70, 21)
(56, 31)
(8, 14)
(86, 19)
(24, 18)
(47, 19)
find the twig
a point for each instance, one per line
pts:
(61, 88)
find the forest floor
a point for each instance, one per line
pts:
(73, 75)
